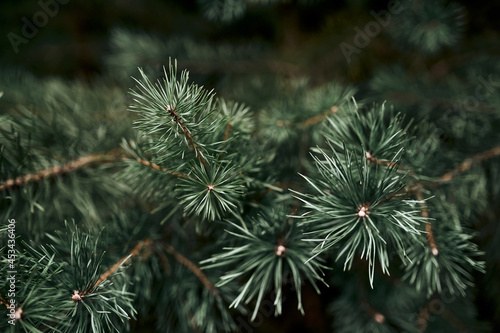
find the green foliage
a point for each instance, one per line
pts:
(428, 26)
(356, 206)
(173, 108)
(402, 181)
(264, 253)
(358, 311)
(211, 190)
(199, 307)
(223, 10)
(458, 256)
(130, 48)
(43, 129)
(376, 132)
(66, 276)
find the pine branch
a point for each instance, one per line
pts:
(90, 160)
(354, 219)
(135, 251)
(318, 118)
(428, 228)
(375, 160)
(226, 137)
(157, 167)
(310, 121)
(228, 130)
(193, 268)
(420, 198)
(469, 162)
(171, 111)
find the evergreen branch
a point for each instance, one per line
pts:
(375, 160)
(174, 109)
(469, 162)
(428, 227)
(212, 191)
(318, 118)
(193, 268)
(226, 136)
(352, 206)
(135, 251)
(377, 132)
(228, 130)
(178, 120)
(308, 122)
(95, 159)
(157, 167)
(263, 255)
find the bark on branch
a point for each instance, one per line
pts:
(90, 160)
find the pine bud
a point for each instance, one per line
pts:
(76, 297)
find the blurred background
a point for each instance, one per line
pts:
(298, 38)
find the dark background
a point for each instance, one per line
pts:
(74, 42)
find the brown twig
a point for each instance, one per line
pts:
(157, 167)
(135, 251)
(226, 137)
(96, 159)
(228, 130)
(469, 162)
(3, 301)
(317, 119)
(418, 192)
(163, 260)
(171, 111)
(428, 228)
(375, 160)
(193, 268)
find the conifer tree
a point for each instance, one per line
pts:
(155, 204)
